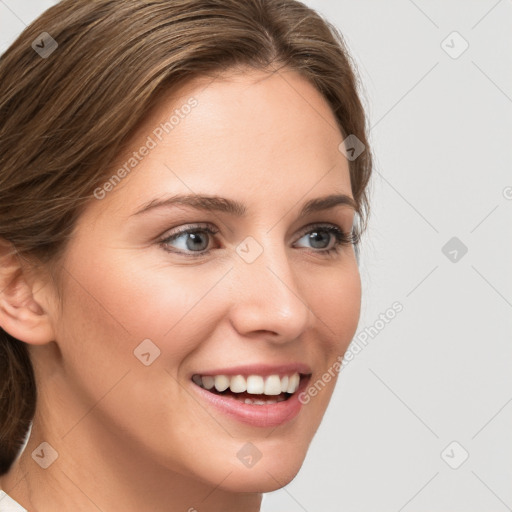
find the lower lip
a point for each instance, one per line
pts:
(270, 415)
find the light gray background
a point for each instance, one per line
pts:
(440, 370)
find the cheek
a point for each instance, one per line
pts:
(141, 298)
(335, 298)
(337, 304)
(105, 317)
(111, 306)
(124, 301)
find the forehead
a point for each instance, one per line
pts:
(255, 134)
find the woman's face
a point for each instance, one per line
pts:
(142, 316)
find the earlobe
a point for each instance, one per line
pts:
(21, 315)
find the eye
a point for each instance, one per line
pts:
(194, 239)
(328, 238)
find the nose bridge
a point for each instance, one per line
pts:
(266, 290)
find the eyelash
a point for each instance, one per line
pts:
(342, 239)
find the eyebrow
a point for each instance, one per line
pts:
(233, 207)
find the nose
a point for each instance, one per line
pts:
(267, 297)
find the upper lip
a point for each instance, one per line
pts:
(259, 369)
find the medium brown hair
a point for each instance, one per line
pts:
(65, 117)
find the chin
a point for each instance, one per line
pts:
(264, 476)
(260, 481)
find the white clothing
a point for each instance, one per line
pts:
(7, 504)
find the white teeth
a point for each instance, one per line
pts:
(237, 384)
(284, 384)
(293, 383)
(255, 385)
(272, 385)
(221, 382)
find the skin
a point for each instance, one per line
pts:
(131, 437)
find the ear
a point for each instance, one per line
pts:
(22, 315)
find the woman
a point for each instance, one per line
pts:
(183, 185)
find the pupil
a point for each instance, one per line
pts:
(314, 237)
(196, 242)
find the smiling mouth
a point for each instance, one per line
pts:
(252, 389)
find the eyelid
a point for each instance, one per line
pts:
(212, 229)
(309, 227)
(184, 228)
